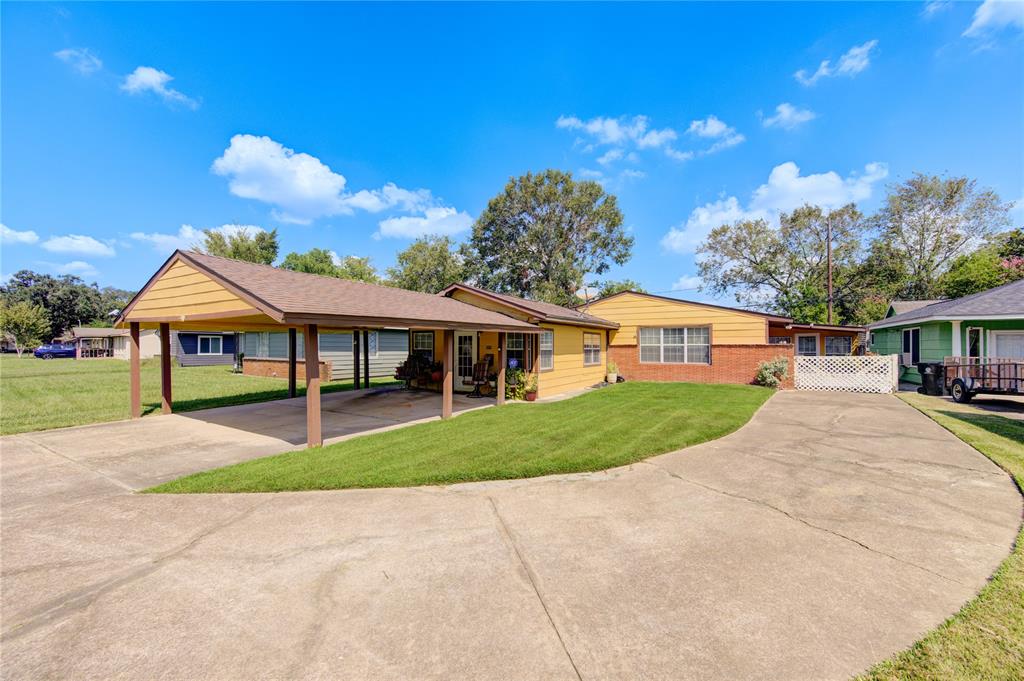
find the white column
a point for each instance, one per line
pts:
(957, 348)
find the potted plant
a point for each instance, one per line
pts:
(515, 383)
(530, 392)
(613, 372)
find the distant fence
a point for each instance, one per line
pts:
(867, 374)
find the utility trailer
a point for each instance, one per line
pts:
(966, 377)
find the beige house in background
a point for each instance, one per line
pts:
(93, 343)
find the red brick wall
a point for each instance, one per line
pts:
(278, 368)
(729, 364)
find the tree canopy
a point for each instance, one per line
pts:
(249, 245)
(611, 287)
(998, 262)
(540, 236)
(25, 323)
(429, 264)
(323, 262)
(66, 300)
(785, 268)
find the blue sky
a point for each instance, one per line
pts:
(350, 127)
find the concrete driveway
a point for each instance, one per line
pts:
(830, 532)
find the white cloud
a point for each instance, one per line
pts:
(188, 237)
(785, 190)
(11, 236)
(610, 156)
(77, 267)
(788, 117)
(934, 7)
(81, 59)
(302, 188)
(631, 174)
(687, 283)
(995, 15)
(855, 60)
(148, 79)
(713, 128)
(80, 244)
(439, 220)
(623, 134)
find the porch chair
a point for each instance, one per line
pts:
(481, 376)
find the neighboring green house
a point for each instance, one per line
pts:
(986, 324)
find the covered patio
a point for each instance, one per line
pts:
(199, 292)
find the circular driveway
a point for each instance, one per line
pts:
(828, 533)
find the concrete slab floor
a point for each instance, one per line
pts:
(828, 533)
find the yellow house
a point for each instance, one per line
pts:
(569, 353)
(666, 339)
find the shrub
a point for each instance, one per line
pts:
(515, 383)
(613, 368)
(771, 373)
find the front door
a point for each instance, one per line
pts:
(465, 357)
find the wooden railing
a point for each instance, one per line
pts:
(1005, 374)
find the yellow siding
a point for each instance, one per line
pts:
(487, 304)
(632, 311)
(182, 290)
(569, 372)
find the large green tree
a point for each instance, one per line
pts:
(611, 287)
(250, 245)
(26, 324)
(429, 265)
(998, 262)
(543, 234)
(928, 221)
(785, 267)
(323, 262)
(67, 300)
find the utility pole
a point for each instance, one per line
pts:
(828, 223)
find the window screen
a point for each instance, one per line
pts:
(591, 349)
(547, 350)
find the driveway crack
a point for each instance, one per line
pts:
(507, 534)
(803, 521)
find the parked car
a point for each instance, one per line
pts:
(53, 350)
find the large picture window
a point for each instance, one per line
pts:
(423, 344)
(912, 344)
(547, 350)
(591, 349)
(676, 345)
(210, 345)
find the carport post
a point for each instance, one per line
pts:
(291, 361)
(446, 385)
(135, 382)
(355, 359)
(366, 358)
(314, 437)
(501, 368)
(165, 367)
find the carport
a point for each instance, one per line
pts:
(198, 292)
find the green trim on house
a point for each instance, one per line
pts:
(937, 340)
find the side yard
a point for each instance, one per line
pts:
(985, 640)
(601, 429)
(42, 394)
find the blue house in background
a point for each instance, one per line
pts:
(204, 348)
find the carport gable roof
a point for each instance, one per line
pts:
(290, 297)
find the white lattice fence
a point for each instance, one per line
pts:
(868, 374)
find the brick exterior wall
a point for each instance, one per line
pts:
(729, 364)
(278, 368)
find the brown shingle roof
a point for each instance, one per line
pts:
(544, 311)
(292, 296)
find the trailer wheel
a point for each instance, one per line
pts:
(960, 392)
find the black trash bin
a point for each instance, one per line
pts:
(932, 375)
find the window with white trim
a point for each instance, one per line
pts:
(838, 345)
(423, 344)
(591, 349)
(676, 345)
(518, 351)
(547, 350)
(210, 345)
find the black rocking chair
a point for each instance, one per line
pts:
(481, 376)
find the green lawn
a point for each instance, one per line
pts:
(985, 640)
(597, 430)
(38, 394)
